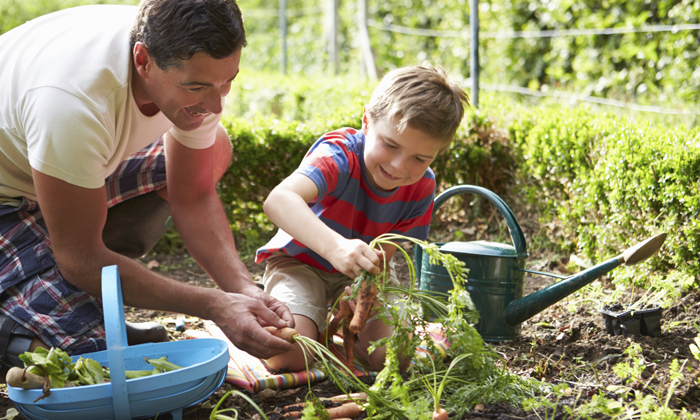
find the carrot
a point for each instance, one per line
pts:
(365, 300)
(346, 398)
(285, 333)
(350, 410)
(343, 314)
(349, 347)
(293, 407)
(347, 410)
(440, 414)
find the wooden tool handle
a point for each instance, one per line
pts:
(17, 377)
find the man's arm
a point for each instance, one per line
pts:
(287, 207)
(75, 217)
(199, 215)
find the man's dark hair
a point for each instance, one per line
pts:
(174, 30)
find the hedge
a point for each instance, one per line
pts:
(266, 150)
(607, 181)
(614, 183)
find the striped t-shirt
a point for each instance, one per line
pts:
(349, 204)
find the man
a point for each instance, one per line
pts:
(87, 92)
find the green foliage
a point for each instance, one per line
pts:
(295, 97)
(607, 181)
(470, 157)
(54, 363)
(473, 375)
(307, 41)
(61, 371)
(613, 183)
(269, 148)
(695, 348)
(651, 67)
(314, 409)
(631, 369)
(217, 411)
(265, 152)
(657, 68)
(16, 12)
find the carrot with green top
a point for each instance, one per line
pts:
(285, 333)
(365, 301)
(440, 414)
(343, 315)
(349, 347)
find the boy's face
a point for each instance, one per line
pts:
(394, 159)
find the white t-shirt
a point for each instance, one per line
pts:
(67, 108)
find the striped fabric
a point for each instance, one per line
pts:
(250, 373)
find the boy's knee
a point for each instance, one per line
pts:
(377, 360)
(288, 362)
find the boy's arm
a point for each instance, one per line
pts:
(287, 207)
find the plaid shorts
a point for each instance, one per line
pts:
(32, 290)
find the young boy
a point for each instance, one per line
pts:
(351, 187)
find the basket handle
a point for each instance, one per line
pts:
(115, 330)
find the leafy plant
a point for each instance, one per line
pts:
(632, 368)
(217, 412)
(56, 365)
(695, 347)
(472, 375)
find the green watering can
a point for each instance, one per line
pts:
(497, 271)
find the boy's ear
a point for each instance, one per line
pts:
(365, 120)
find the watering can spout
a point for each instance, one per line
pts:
(524, 308)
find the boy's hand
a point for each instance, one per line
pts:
(351, 256)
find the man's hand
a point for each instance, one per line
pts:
(239, 316)
(279, 308)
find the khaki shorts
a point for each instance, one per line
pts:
(308, 290)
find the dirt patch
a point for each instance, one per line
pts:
(565, 343)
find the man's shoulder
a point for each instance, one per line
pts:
(82, 51)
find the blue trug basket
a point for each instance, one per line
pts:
(204, 363)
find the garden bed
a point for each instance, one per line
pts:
(557, 346)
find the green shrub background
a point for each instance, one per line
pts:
(606, 181)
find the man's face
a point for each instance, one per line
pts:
(394, 159)
(188, 93)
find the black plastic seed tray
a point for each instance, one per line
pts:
(621, 321)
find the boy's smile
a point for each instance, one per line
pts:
(394, 159)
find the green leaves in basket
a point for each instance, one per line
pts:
(62, 372)
(90, 372)
(162, 365)
(54, 363)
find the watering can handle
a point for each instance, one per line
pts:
(516, 232)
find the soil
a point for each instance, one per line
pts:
(558, 345)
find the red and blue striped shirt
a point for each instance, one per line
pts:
(349, 204)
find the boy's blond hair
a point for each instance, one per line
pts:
(421, 97)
